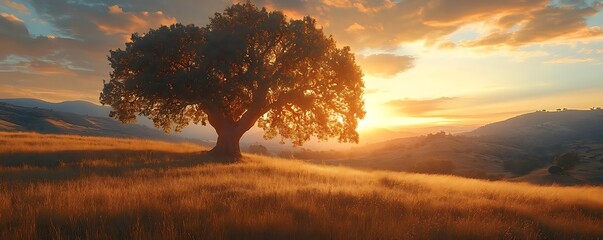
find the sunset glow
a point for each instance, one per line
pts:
(301, 119)
(425, 62)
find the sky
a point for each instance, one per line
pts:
(426, 62)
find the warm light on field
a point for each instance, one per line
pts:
(174, 193)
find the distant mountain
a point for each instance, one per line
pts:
(17, 118)
(77, 107)
(94, 110)
(546, 130)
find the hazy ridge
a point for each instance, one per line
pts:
(519, 148)
(16, 118)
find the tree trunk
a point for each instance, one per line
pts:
(227, 146)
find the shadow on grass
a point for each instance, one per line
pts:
(65, 165)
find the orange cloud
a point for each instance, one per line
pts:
(447, 45)
(126, 23)
(370, 6)
(11, 17)
(570, 60)
(454, 12)
(385, 64)
(16, 6)
(554, 23)
(418, 108)
(449, 109)
(386, 23)
(355, 27)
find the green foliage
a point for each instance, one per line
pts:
(567, 160)
(246, 66)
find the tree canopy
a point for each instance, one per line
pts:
(247, 66)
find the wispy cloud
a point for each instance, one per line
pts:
(385, 64)
(570, 60)
(15, 6)
(413, 107)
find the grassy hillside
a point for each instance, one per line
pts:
(16, 118)
(82, 187)
(76, 107)
(435, 153)
(520, 148)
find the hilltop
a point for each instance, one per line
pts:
(60, 186)
(16, 118)
(519, 149)
(77, 107)
(547, 130)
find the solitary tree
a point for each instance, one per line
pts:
(247, 65)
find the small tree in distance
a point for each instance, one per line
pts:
(567, 160)
(258, 149)
(246, 66)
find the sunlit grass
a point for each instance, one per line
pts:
(35, 142)
(146, 195)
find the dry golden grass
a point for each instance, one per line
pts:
(148, 195)
(35, 142)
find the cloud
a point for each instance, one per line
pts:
(411, 107)
(454, 12)
(16, 6)
(384, 24)
(87, 29)
(460, 115)
(123, 23)
(447, 45)
(15, 38)
(99, 23)
(570, 60)
(585, 51)
(355, 27)
(75, 59)
(453, 109)
(385, 64)
(553, 23)
(371, 91)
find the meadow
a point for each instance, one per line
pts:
(73, 187)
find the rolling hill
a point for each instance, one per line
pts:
(546, 130)
(254, 136)
(518, 149)
(16, 118)
(72, 187)
(76, 107)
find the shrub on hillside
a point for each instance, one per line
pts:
(555, 170)
(286, 154)
(567, 160)
(258, 149)
(434, 166)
